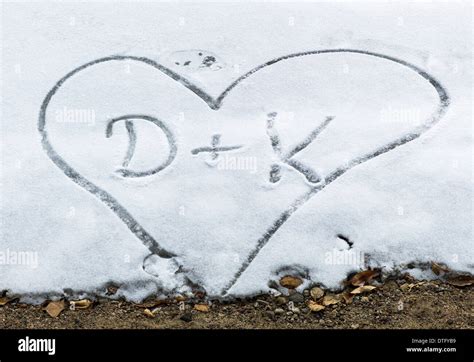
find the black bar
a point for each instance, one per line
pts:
(361, 345)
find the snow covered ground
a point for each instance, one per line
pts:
(160, 145)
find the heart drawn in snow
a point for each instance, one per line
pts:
(185, 205)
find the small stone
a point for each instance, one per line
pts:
(306, 293)
(290, 282)
(316, 293)
(296, 298)
(364, 299)
(186, 317)
(296, 310)
(354, 326)
(270, 314)
(281, 300)
(279, 311)
(112, 289)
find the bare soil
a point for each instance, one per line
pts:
(433, 305)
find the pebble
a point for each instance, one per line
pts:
(296, 298)
(279, 311)
(281, 300)
(270, 314)
(186, 317)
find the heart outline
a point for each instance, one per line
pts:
(215, 104)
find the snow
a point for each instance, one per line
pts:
(190, 213)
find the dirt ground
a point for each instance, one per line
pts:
(395, 304)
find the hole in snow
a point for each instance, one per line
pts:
(346, 240)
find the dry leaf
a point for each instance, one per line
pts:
(54, 309)
(316, 293)
(363, 289)
(348, 297)
(439, 268)
(180, 298)
(148, 313)
(80, 304)
(315, 307)
(461, 280)
(202, 307)
(330, 299)
(290, 282)
(363, 277)
(407, 287)
(4, 300)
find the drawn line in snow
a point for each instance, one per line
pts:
(346, 239)
(275, 173)
(312, 136)
(132, 142)
(310, 174)
(215, 104)
(214, 149)
(443, 104)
